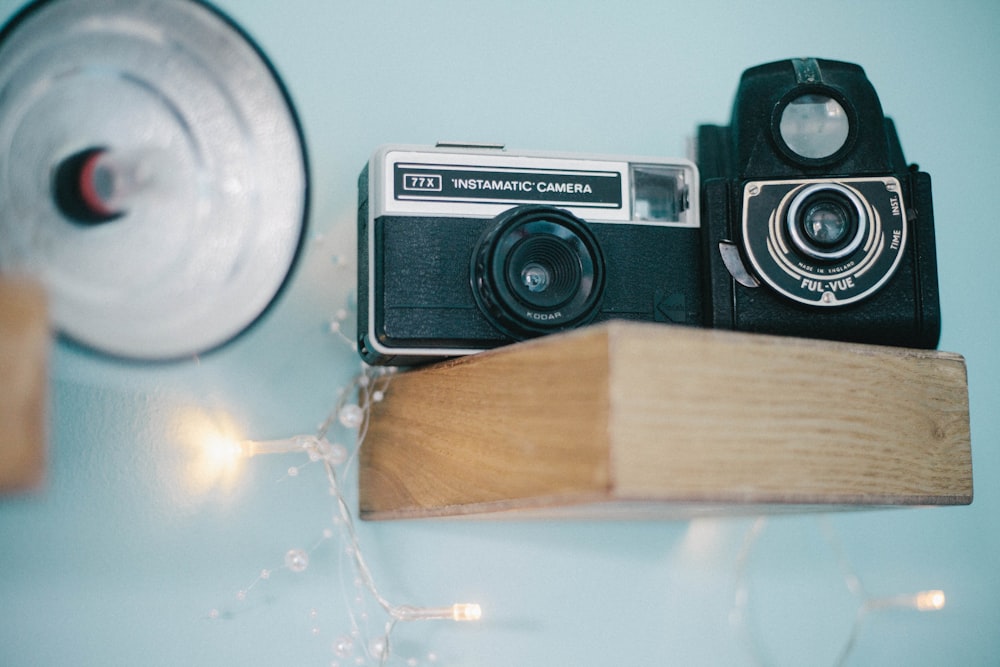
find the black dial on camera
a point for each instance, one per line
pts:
(538, 269)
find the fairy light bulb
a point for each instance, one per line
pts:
(456, 612)
(221, 452)
(929, 600)
(466, 612)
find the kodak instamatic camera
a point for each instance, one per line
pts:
(814, 224)
(466, 248)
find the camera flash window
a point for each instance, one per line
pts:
(659, 192)
(814, 126)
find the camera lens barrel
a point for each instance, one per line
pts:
(827, 221)
(538, 269)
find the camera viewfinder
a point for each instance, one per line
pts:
(814, 126)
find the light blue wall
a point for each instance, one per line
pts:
(123, 557)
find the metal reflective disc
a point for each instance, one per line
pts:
(152, 172)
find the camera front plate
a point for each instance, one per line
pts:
(782, 264)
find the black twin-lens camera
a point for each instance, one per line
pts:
(811, 224)
(814, 224)
(466, 248)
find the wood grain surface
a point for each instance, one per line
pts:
(627, 415)
(24, 345)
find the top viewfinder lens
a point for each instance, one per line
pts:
(814, 126)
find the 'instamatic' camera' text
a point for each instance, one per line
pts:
(520, 186)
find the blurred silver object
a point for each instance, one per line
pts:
(152, 172)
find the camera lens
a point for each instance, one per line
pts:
(544, 270)
(537, 270)
(827, 221)
(535, 277)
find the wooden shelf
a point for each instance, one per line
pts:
(24, 346)
(641, 420)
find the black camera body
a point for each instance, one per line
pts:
(814, 225)
(466, 248)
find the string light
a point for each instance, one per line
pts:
(369, 387)
(352, 411)
(929, 600)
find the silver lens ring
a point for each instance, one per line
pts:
(812, 193)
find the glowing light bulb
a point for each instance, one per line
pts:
(933, 600)
(929, 600)
(466, 612)
(221, 451)
(456, 612)
(215, 453)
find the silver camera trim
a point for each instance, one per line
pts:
(793, 213)
(494, 158)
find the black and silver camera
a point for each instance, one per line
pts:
(814, 224)
(466, 248)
